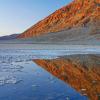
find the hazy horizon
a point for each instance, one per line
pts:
(18, 15)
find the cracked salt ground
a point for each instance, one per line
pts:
(10, 68)
(8, 80)
(8, 73)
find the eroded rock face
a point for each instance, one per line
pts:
(77, 13)
(82, 72)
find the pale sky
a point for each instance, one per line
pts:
(18, 15)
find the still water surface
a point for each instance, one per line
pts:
(22, 79)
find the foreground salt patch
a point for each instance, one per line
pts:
(8, 80)
(10, 68)
(8, 73)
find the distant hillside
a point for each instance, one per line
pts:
(78, 13)
(9, 37)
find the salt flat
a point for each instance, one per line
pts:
(89, 49)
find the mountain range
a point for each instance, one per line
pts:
(80, 16)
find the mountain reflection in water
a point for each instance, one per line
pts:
(81, 72)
